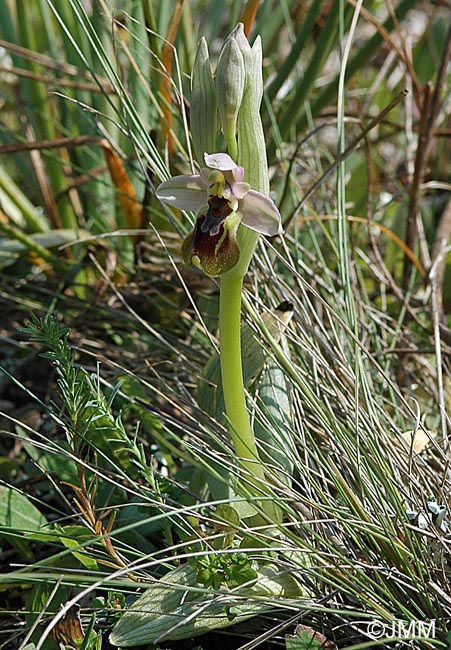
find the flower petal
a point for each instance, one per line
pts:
(240, 189)
(221, 161)
(235, 175)
(205, 175)
(260, 213)
(185, 192)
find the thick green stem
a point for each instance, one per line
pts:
(232, 376)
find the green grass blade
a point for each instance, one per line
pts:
(43, 117)
(295, 52)
(359, 60)
(35, 222)
(326, 41)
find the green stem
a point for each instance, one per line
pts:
(232, 377)
(232, 146)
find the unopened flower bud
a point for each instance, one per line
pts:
(203, 111)
(230, 82)
(240, 38)
(251, 139)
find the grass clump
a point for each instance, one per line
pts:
(127, 515)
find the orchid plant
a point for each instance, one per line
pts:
(230, 199)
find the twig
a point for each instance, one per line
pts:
(429, 114)
(57, 143)
(49, 62)
(63, 83)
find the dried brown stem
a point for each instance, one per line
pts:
(49, 62)
(57, 143)
(432, 104)
(63, 83)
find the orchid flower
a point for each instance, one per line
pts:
(222, 201)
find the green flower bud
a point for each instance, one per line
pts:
(239, 37)
(203, 111)
(251, 139)
(230, 82)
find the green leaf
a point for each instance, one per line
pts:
(18, 516)
(225, 513)
(6, 259)
(30, 214)
(426, 53)
(303, 37)
(177, 608)
(306, 638)
(43, 597)
(92, 639)
(277, 447)
(51, 463)
(71, 537)
(47, 240)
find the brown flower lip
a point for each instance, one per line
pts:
(212, 244)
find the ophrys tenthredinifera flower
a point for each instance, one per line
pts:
(222, 201)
